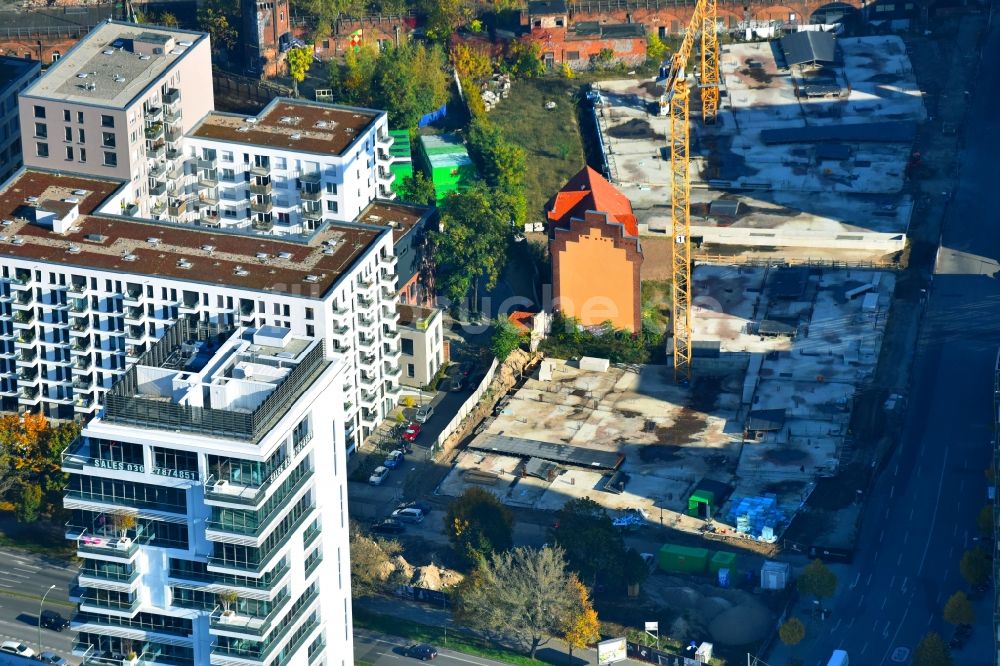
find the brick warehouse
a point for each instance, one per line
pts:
(47, 34)
(577, 43)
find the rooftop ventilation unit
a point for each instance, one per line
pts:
(73, 249)
(183, 263)
(393, 224)
(7, 223)
(95, 238)
(284, 255)
(153, 240)
(262, 255)
(32, 199)
(251, 120)
(311, 278)
(129, 257)
(144, 57)
(185, 43)
(208, 248)
(243, 128)
(296, 136)
(16, 240)
(321, 124)
(329, 251)
(82, 75)
(239, 271)
(79, 193)
(72, 200)
(108, 51)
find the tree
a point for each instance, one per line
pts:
(931, 651)
(984, 521)
(975, 566)
(605, 59)
(471, 63)
(501, 162)
(371, 562)
(655, 48)
(594, 547)
(524, 60)
(27, 498)
(477, 524)
(470, 250)
(444, 17)
(958, 610)
(299, 60)
(582, 627)
(417, 189)
(227, 599)
(792, 632)
(816, 579)
(213, 18)
(566, 72)
(169, 20)
(123, 521)
(523, 595)
(505, 338)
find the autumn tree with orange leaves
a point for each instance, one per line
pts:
(582, 627)
(31, 478)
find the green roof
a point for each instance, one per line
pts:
(401, 148)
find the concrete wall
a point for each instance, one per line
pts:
(882, 242)
(428, 351)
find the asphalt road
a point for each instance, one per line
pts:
(388, 651)
(24, 578)
(921, 515)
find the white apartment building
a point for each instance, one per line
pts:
(285, 171)
(208, 505)
(83, 295)
(117, 105)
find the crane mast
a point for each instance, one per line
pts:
(677, 100)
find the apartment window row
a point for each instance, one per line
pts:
(248, 521)
(250, 557)
(127, 493)
(163, 624)
(121, 647)
(189, 569)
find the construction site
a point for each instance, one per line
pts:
(810, 148)
(779, 352)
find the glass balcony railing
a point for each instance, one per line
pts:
(262, 523)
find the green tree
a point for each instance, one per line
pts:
(477, 524)
(444, 17)
(931, 651)
(214, 18)
(299, 61)
(655, 48)
(371, 562)
(817, 579)
(792, 632)
(27, 498)
(169, 20)
(984, 521)
(581, 627)
(566, 72)
(471, 63)
(326, 12)
(417, 189)
(471, 249)
(958, 610)
(501, 162)
(524, 60)
(605, 59)
(594, 547)
(522, 595)
(504, 339)
(975, 566)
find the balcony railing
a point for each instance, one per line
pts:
(264, 522)
(232, 621)
(261, 188)
(260, 654)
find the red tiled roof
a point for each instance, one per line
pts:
(522, 321)
(588, 190)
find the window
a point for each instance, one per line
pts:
(110, 159)
(108, 139)
(56, 55)
(279, 163)
(107, 121)
(41, 130)
(409, 370)
(572, 55)
(310, 313)
(42, 149)
(69, 152)
(69, 133)
(229, 175)
(331, 206)
(227, 156)
(310, 330)
(407, 347)
(79, 116)
(39, 111)
(67, 115)
(331, 188)
(83, 154)
(80, 135)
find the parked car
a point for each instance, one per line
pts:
(16, 647)
(424, 414)
(455, 384)
(394, 459)
(411, 432)
(52, 658)
(378, 476)
(53, 620)
(423, 652)
(422, 507)
(388, 526)
(408, 515)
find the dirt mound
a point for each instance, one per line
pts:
(433, 577)
(740, 625)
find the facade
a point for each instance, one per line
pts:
(414, 263)
(286, 171)
(422, 333)
(46, 33)
(208, 505)
(15, 75)
(118, 104)
(445, 161)
(578, 43)
(591, 224)
(265, 35)
(84, 295)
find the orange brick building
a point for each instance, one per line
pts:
(596, 254)
(577, 43)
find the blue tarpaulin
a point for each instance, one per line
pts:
(433, 116)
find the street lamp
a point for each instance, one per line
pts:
(40, 604)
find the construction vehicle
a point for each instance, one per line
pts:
(675, 103)
(838, 658)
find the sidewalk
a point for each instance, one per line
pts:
(553, 652)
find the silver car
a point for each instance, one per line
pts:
(424, 414)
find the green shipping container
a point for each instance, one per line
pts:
(446, 162)
(723, 560)
(682, 559)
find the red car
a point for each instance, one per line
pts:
(411, 433)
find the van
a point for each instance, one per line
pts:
(409, 515)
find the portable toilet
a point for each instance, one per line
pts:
(774, 575)
(723, 577)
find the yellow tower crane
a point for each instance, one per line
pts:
(675, 99)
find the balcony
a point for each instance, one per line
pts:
(24, 319)
(207, 163)
(84, 404)
(259, 652)
(369, 400)
(174, 134)
(392, 372)
(177, 207)
(27, 376)
(26, 356)
(368, 382)
(81, 363)
(24, 337)
(311, 177)
(108, 579)
(365, 302)
(154, 113)
(246, 625)
(226, 492)
(392, 355)
(156, 151)
(80, 327)
(366, 344)
(253, 535)
(80, 345)
(209, 198)
(260, 170)
(154, 132)
(261, 206)
(171, 97)
(261, 188)
(133, 296)
(21, 280)
(263, 225)
(79, 305)
(208, 179)
(106, 546)
(79, 288)
(23, 299)
(91, 602)
(83, 383)
(28, 395)
(158, 172)
(172, 115)
(314, 215)
(311, 195)
(158, 190)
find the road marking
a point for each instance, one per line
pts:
(899, 560)
(856, 580)
(906, 537)
(5, 585)
(911, 513)
(896, 473)
(885, 600)
(869, 579)
(27, 568)
(937, 501)
(905, 579)
(892, 581)
(892, 492)
(881, 536)
(864, 647)
(902, 621)
(836, 626)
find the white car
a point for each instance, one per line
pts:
(424, 414)
(14, 647)
(408, 515)
(378, 476)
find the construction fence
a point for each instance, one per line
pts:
(467, 406)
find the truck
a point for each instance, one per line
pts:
(838, 658)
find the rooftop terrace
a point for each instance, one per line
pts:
(114, 63)
(297, 125)
(227, 382)
(185, 253)
(400, 217)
